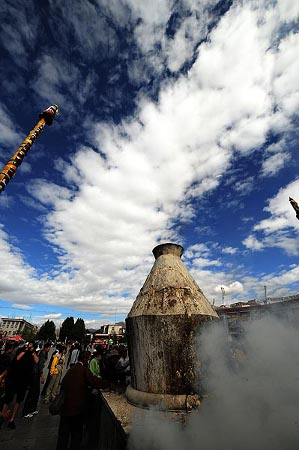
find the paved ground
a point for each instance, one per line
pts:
(37, 433)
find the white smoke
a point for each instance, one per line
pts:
(253, 401)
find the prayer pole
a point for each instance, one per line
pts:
(46, 118)
(295, 206)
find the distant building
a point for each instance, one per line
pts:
(235, 315)
(10, 327)
(117, 328)
(106, 331)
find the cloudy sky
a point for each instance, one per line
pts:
(178, 122)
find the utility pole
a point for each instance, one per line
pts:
(46, 118)
(223, 294)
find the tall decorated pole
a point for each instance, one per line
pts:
(46, 118)
(295, 206)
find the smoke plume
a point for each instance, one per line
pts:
(253, 395)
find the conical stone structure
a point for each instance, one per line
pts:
(161, 329)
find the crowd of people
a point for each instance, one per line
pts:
(27, 372)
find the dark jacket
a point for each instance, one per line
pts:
(5, 360)
(75, 386)
(20, 371)
(43, 356)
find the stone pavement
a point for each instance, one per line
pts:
(38, 433)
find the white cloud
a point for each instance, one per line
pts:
(286, 278)
(6, 201)
(59, 81)
(31, 203)
(288, 244)
(252, 243)
(176, 49)
(286, 83)
(181, 47)
(25, 167)
(229, 250)
(197, 250)
(288, 10)
(118, 207)
(9, 131)
(281, 228)
(244, 187)
(52, 316)
(21, 306)
(19, 30)
(274, 163)
(233, 288)
(204, 262)
(154, 16)
(209, 280)
(86, 25)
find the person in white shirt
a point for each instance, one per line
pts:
(73, 358)
(123, 364)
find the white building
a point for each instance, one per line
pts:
(117, 328)
(10, 327)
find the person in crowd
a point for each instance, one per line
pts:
(43, 357)
(123, 364)
(90, 348)
(18, 377)
(94, 364)
(30, 405)
(5, 359)
(55, 373)
(73, 358)
(48, 379)
(75, 387)
(70, 351)
(110, 362)
(17, 346)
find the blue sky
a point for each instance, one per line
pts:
(178, 122)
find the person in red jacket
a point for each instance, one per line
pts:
(75, 386)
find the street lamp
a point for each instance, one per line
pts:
(265, 289)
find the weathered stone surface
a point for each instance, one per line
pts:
(161, 328)
(169, 288)
(164, 401)
(163, 357)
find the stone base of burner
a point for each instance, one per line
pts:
(164, 402)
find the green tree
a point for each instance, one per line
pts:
(67, 329)
(28, 334)
(47, 331)
(79, 330)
